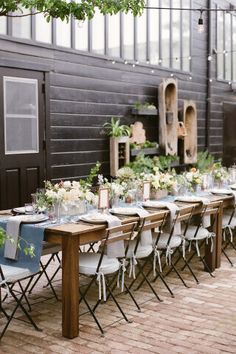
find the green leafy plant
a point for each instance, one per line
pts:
(28, 248)
(63, 9)
(146, 145)
(205, 161)
(145, 105)
(88, 182)
(142, 164)
(164, 162)
(115, 130)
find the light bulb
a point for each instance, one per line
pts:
(200, 23)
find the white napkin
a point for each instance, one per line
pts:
(114, 249)
(12, 230)
(146, 236)
(173, 208)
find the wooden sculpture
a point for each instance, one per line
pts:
(168, 116)
(138, 134)
(188, 145)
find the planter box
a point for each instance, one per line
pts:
(146, 151)
(155, 195)
(144, 111)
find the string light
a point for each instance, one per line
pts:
(125, 62)
(113, 62)
(200, 23)
(209, 58)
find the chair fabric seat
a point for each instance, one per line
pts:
(50, 248)
(13, 274)
(88, 263)
(201, 234)
(141, 252)
(175, 241)
(226, 219)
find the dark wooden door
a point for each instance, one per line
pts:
(22, 135)
(229, 141)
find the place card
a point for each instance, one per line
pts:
(146, 190)
(103, 198)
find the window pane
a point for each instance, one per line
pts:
(228, 49)
(176, 35)
(81, 35)
(43, 29)
(142, 37)
(114, 35)
(128, 36)
(3, 25)
(220, 44)
(154, 32)
(98, 27)
(234, 48)
(63, 33)
(20, 115)
(165, 25)
(186, 50)
(25, 140)
(21, 26)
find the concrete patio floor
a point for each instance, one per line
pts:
(200, 319)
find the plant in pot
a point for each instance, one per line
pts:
(119, 144)
(145, 108)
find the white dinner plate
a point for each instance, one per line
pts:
(20, 210)
(124, 211)
(233, 186)
(153, 204)
(94, 218)
(32, 219)
(221, 191)
(188, 199)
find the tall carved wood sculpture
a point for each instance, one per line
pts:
(168, 117)
(188, 146)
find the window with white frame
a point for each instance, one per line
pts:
(20, 115)
(226, 45)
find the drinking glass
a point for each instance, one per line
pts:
(29, 209)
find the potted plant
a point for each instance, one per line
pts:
(144, 109)
(119, 144)
(147, 148)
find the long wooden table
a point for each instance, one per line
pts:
(71, 236)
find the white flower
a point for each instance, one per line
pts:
(67, 184)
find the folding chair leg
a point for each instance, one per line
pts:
(191, 271)
(117, 304)
(178, 274)
(148, 282)
(19, 304)
(206, 267)
(132, 297)
(92, 313)
(229, 260)
(26, 299)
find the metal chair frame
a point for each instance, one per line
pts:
(124, 232)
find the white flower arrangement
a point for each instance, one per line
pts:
(219, 172)
(193, 177)
(162, 181)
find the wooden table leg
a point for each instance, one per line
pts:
(213, 259)
(218, 241)
(70, 286)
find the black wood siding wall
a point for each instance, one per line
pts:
(85, 91)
